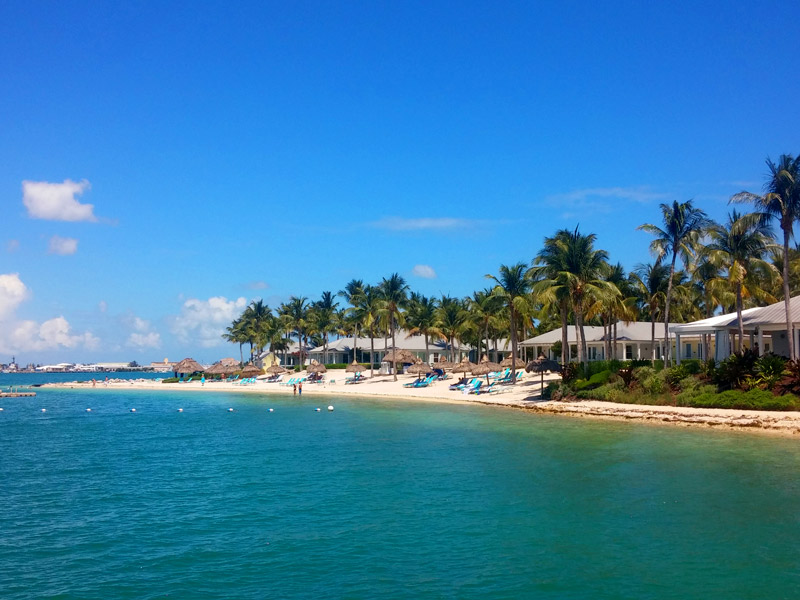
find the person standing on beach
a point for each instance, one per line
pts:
(300, 389)
(202, 380)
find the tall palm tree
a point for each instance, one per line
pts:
(550, 265)
(710, 294)
(683, 227)
(781, 199)
(298, 313)
(421, 319)
(484, 311)
(392, 293)
(353, 292)
(450, 319)
(650, 284)
(738, 247)
(513, 284)
(323, 316)
(237, 334)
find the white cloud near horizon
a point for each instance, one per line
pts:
(142, 336)
(202, 322)
(424, 271)
(62, 246)
(27, 335)
(57, 201)
(427, 223)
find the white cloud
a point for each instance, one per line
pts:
(102, 305)
(16, 335)
(635, 194)
(424, 271)
(12, 293)
(56, 201)
(256, 285)
(145, 340)
(403, 224)
(62, 246)
(12, 246)
(203, 322)
(52, 334)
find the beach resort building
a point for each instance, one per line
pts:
(764, 330)
(634, 340)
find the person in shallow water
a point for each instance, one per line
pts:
(300, 389)
(294, 389)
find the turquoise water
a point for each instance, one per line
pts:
(381, 499)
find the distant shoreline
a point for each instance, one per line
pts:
(523, 396)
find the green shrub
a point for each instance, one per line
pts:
(594, 381)
(365, 365)
(674, 375)
(641, 362)
(769, 370)
(751, 400)
(603, 392)
(684, 398)
(170, 380)
(569, 372)
(693, 366)
(556, 390)
(734, 370)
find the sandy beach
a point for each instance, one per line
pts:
(525, 395)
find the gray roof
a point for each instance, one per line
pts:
(772, 315)
(635, 331)
(414, 343)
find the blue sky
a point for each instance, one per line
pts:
(240, 150)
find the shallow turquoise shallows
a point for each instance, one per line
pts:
(381, 499)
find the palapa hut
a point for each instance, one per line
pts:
(251, 371)
(485, 367)
(354, 367)
(419, 368)
(222, 369)
(187, 366)
(542, 364)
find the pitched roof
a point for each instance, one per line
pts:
(635, 331)
(774, 314)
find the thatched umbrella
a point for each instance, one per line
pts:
(222, 369)
(275, 370)
(251, 370)
(465, 366)
(230, 362)
(506, 362)
(354, 367)
(188, 365)
(419, 368)
(444, 364)
(542, 364)
(485, 367)
(396, 356)
(316, 367)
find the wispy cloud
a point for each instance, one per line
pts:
(57, 201)
(635, 194)
(12, 246)
(424, 271)
(256, 285)
(586, 201)
(62, 246)
(427, 223)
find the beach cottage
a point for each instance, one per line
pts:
(764, 330)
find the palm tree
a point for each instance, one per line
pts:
(450, 319)
(237, 334)
(781, 199)
(683, 226)
(483, 309)
(549, 267)
(298, 313)
(650, 283)
(513, 287)
(323, 316)
(738, 247)
(392, 293)
(353, 292)
(421, 319)
(709, 293)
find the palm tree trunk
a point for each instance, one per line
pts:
(564, 334)
(787, 232)
(582, 358)
(513, 347)
(395, 349)
(739, 316)
(615, 339)
(427, 352)
(667, 344)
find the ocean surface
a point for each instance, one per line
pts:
(382, 499)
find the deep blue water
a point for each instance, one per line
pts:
(382, 499)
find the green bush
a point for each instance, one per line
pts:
(674, 375)
(693, 366)
(345, 365)
(734, 370)
(594, 381)
(751, 400)
(769, 370)
(556, 390)
(691, 392)
(170, 380)
(603, 392)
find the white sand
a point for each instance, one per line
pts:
(523, 395)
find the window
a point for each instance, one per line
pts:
(628, 352)
(687, 351)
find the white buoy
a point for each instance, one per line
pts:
(1, 410)
(330, 408)
(316, 409)
(44, 410)
(270, 410)
(180, 410)
(230, 410)
(133, 410)
(88, 410)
